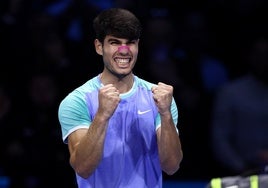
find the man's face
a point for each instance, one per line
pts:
(119, 55)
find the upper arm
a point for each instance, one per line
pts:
(74, 138)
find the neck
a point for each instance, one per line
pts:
(123, 84)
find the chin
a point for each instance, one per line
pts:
(122, 75)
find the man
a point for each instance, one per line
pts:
(120, 129)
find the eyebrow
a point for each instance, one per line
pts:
(113, 39)
(120, 40)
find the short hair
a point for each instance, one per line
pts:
(117, 22)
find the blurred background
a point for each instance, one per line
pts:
(198, 46)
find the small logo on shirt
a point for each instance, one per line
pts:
(143, 112)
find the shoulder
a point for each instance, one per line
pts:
(78, 95)
(143, 83)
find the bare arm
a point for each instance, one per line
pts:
(86, 145)
(169, 144)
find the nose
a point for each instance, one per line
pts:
(123, 49)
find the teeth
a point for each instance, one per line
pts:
(122, 60)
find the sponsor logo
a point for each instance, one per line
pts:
(143, 112)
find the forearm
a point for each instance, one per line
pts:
(87, 153)
(169, 145)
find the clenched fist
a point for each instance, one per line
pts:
(108, 100)
(162, 94)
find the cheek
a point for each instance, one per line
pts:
(108, 53)
(134, 50)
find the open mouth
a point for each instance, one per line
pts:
(122, 61)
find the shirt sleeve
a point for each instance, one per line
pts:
(73, 114)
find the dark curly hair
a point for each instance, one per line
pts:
(117, 22)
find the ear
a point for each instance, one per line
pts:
(98, 46)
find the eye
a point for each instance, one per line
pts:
(133, 42)
(115, 43)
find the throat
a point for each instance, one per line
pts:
(123, 83)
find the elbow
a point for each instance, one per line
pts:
(80, 170)
(171, 172)
(172, 169)
(172, 165)
(82, 173)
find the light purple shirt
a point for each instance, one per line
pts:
(130, 156)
